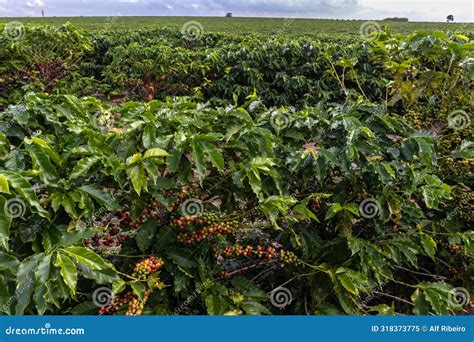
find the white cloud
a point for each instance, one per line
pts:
(35, 3)
(421, 9)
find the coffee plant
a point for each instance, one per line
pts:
(201, 177)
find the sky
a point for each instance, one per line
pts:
(415, 10)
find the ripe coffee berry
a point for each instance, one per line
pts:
(146, 267)
(218, 229)
(109, 238)
(196, 221)
(117, 303)
(268, 253)
(128, 221)
(197, 228)
(136, 306)
(454, 248)
(151, 210)
(176, 198)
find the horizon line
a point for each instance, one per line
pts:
(228, 18)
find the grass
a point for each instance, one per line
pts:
(242, 25)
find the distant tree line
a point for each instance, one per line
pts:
(396, 19)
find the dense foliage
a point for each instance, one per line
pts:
(195, 177)
(239, 25)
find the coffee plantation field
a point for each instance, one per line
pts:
(235, 166)
(290, 25)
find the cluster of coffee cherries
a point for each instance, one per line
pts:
(117, 303)
(448, 142)
(146, 267)
(155, 207)
(458, 167)
(197, 228)
(315, 205)
(457, 272)
(176, 198)
(110, 239)
(317, 202)
(196, 221)
(465, 198)
(116, 230)
(151, 210)
(288, 257)
(415, 117)
(268, 253)
(135, 305)
(454, 248)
